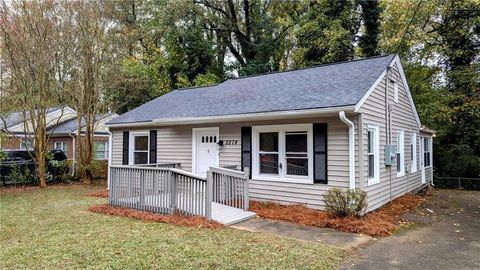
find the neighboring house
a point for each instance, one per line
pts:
(301, 132)
(62, 127)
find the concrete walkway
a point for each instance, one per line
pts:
(312, 234)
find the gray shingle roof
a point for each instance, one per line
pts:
(69, 126)
(330, 85)
(14, 118)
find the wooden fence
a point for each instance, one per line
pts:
(166, 189)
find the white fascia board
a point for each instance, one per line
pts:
(240, 117)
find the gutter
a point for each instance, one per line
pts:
(351, 147)
(237, 117)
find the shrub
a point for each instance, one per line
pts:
(20, 175)
(345, 203)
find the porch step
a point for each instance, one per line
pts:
(227, 215)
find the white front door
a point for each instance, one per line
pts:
(422, 160)
(205, 149)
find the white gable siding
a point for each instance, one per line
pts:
(403, 118)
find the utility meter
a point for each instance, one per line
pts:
(390, 154)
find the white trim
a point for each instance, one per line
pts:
(376, 153)
(194, 145)
(395, 60)
(282, 115)
(110, 140)
(367, 94)
(401, 151)
(131, 146)
(282, 175)
(351, 148)
(413, 161)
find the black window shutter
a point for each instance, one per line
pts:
(126, 137)
(153, 147)
(247, 148)
(320, 153)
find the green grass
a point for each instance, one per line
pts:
(51, 229)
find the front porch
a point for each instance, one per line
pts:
(163, 188)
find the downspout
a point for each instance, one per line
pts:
(109, 157)
(351, 147)
(73, 153)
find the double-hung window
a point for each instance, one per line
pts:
(101, 150)
(426, 152)
(413, 152)
(373, 144)
(26, 144)
(283, 153)
(60, 146)
(139, 148)
(400, 153)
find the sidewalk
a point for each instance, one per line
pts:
(312, 234)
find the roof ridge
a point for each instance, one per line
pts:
(311, 67)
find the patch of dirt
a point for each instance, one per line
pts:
(102, 194)
(381, 222)
(175, 219)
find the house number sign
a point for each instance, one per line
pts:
(231, 142)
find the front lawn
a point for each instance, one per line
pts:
(51, 229)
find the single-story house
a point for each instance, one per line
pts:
(349, 125)
(62, 127)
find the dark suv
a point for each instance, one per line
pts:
(21, 161)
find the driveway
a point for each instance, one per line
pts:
(444, 234)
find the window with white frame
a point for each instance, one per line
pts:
(139, 148)
(283, 153)
(426, 152)
(373, 153)
(400, 153)
(26, 144)
(395, 91)
(413, 152)
(101, 150)
(60, 146)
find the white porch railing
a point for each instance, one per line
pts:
(166, 189)
(229, 187)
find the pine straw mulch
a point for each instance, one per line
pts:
(381, 222)
(101, 194)
(175, 219)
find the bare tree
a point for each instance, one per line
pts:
(29, 34)
(86, 44)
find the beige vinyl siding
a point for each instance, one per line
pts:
(403, 118)
(117, 146)
(174, 144)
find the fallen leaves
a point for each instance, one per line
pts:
(102, 193)
(381, 222)
(175, 219)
